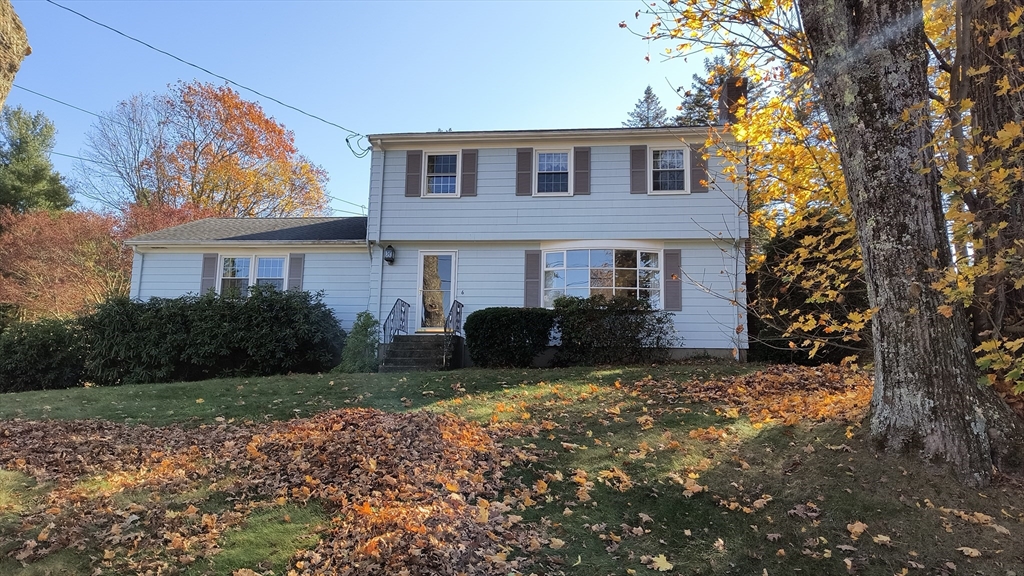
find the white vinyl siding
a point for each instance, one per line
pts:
(168, 275)
(610, 211)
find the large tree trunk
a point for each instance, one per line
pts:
(13, 47)
(997, 203)
(870, 64)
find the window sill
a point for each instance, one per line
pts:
(669, 193)
(449, 196)
(552, 194)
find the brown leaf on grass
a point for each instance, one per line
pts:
(969, 552)
(856, 529)
(780, 393)
(398, 486)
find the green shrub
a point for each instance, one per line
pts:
(504, 337)
(360, 352)
(43, 355)
(199, 337)
(619, 330)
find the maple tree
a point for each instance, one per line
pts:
(200, 145)
(59, 264)
(868, 69)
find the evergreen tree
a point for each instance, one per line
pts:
(700, 103)
(27, 178)
(648, 112)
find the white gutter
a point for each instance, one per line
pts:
(240, 243)
(380, 220)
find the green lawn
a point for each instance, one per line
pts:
(606, 479)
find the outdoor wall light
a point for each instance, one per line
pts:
(389, 254)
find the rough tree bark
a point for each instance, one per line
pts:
(13, 47)
(870, 63)
(984, 42)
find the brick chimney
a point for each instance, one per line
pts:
(733, 89)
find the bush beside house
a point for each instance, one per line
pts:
(619, 330)
(507, 337)
(186, 338)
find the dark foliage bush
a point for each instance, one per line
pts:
(43, 355)
(360, 353)
(619, 330)
(507, 337)
(198, 337)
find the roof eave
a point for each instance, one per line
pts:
(245, 243)
(512, 136)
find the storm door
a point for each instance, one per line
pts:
(437, 287)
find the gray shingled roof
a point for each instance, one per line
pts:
(259, 230)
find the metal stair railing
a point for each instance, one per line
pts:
(452, 328)
(396, 323)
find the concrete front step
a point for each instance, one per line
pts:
(418, 352)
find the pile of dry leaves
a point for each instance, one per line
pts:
(409, 493)
(779, 393)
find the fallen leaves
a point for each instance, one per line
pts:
(399, 485)
(782, 393)
(856, 529)
(969, 552)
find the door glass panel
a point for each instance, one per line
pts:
(436, 292)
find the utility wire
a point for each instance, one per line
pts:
(361, 153)
(56, 100)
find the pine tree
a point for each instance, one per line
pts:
(27, 178)
(648, 112)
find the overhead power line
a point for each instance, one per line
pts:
(51, 98)
(352, 134)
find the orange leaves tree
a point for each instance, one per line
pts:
(55, 264)
(867, 65)
(204, 146)
(58, 264)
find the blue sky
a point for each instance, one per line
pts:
(373, 67)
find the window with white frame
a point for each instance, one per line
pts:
(442, 174)
(605, 271)
(240, 272)
(552, 172)
(668, 170)
(270, 271)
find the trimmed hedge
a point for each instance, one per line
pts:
(199, 337)
(507, 337)
(43, 355)
(619, 330)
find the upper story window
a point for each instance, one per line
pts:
(442, 175)
(608, 272)
(552, 172)
(668, 170)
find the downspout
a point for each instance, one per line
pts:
(142, 263)
(380, 219)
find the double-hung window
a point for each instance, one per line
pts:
(270, 271)
(605, 271)
(240, 272)
(553, 172)
(668, 170)
(442, 175)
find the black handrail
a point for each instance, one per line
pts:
(452, 328)
(396, 323)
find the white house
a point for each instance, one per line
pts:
(497, 218)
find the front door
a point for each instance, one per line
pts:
(437, 286)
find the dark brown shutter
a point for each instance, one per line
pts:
(638, 169)
(698, 170)
(581, 171)
(413, 172)
(296, 263)
(524, 172)
(469, 172)
(673, 297)
(531, 284)
(208, 280)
